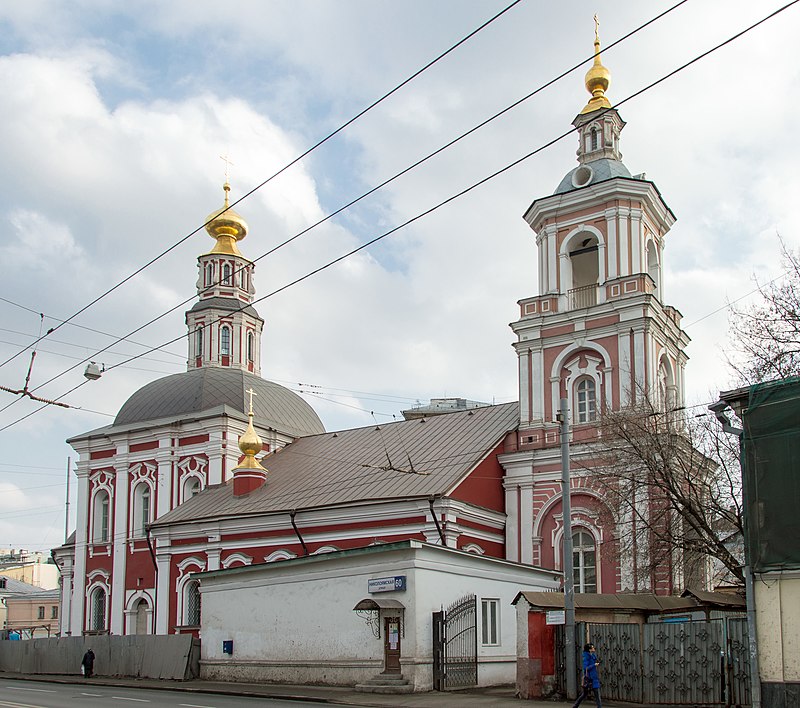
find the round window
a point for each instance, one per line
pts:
(582, 176)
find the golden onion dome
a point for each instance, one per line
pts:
(597, 78)
(250, 444)
(227, 227)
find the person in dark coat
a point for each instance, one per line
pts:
(591, 681)
(87, 663)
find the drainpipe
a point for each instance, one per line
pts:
(720, 411)
(569, 582)
(436, 520)
(292, 514)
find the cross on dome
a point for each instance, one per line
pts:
(251, 393)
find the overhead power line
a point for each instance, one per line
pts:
(383, 184)
(271, 177)
(473, 186)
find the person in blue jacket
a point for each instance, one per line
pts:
(591, 681)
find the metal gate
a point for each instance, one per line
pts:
(455, 645)
(738, 666)
(620, 660)
(681, 663)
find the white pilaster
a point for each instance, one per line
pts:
(119, 545)
(81, 540)
(637, 254)
(163, 593)
(623, 239)
(612, 241)
(537, 374)
(512, 523)
(526, 522)
(524, 378)
(164, 482)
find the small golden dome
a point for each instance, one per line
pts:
(250, 445)
(597, 78)
(227, 227)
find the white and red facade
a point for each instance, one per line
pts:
(598, 333)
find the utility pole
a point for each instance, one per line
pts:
(569, 589)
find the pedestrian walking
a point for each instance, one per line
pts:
(87, 663)
(591, 681)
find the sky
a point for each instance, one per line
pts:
(115, 117)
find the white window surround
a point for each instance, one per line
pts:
(236, 558)
(490, 621)
(473, 548)
(279, 555)
(225, 340)
(101, 515)
(585, 398)
(584, 560)
(325, 549)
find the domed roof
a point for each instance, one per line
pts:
(203, 389)
(591, 173)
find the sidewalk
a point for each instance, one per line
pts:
(499, 697)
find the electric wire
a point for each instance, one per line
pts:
(465, 191)
(276, 174)
(384, 183)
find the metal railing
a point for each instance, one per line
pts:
(585, 296)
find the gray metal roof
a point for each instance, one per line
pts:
(224, 303)
(415, 458)
(202, 389)
(632, 601)
(602, 170)
(18, 587)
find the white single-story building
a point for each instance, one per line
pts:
(343, 617)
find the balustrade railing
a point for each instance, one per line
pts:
(585, 296)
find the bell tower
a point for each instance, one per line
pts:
(224, 327)
(597, 333)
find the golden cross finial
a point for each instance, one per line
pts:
(252, 393)
(228, 162)
(596, 28)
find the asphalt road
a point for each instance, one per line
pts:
(32, 694)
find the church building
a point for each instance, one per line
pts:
(217, 467)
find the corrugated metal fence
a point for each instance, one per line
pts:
(148, 656)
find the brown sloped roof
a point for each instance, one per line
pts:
(415, 458)
(631, 601)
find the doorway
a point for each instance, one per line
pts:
(391, 645)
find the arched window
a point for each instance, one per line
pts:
(97, 604)
(225, 341)
(584, 562)
(251, 347)
(209, 274)
(141, 508)
(191, 604)
(191, 486)
(226, 274)
(142, 624)
(586, 400)
(595, 138)
(198, 341)
(100, 520)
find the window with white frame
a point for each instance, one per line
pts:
(198, 341)
(584, 561)
(226, 274)
(191, 604)
(490, 621)
(225, 341)
(586, 399)
(101, 517)
(251, 349)
(141, 508)
(191, 486)
(97, 603)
